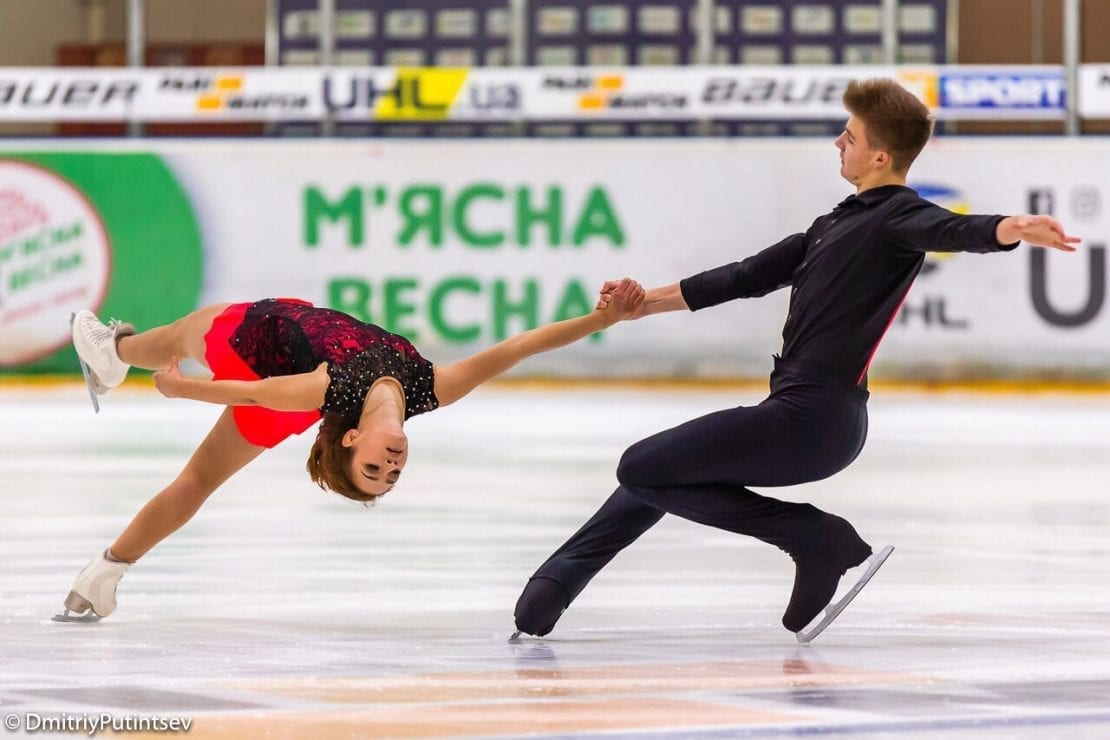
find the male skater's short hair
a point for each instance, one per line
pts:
(896, 121)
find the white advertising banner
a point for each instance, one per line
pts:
(1094, 90)
(511, 94)
(749, 92)
(458, 244)
(60, 94)
(167, 94)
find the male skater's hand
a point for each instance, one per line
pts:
(1039, 231)
(629, 291)
(623, 300)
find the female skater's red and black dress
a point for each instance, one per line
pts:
(285, 336)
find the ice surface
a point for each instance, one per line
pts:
(283, 611)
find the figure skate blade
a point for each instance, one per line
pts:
(85, 371)
(88, 618)
(832, 611)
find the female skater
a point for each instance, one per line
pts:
(279, 366)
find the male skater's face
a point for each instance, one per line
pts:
(857, 158)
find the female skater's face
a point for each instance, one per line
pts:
(377, 458)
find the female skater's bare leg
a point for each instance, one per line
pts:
(219, 456)
(153, 349)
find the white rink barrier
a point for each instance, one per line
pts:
(460, 243)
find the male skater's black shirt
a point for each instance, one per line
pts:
(849, 273)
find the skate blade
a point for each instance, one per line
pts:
(82, 608)
(85, 371)
(89, 618)
(515, 637)
(832, 611)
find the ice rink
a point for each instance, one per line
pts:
(282, 611)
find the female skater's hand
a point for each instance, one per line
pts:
(621, 300)
(168, 381)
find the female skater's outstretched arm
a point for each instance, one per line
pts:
(623, 299)
(300, 392)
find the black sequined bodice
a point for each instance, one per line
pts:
(284, 337)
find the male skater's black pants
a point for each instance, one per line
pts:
(811, 426)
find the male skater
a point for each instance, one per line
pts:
(849, 274)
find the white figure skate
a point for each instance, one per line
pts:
(95, 343)
(94, 591)
(832, 611)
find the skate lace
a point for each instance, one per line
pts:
(99, 332)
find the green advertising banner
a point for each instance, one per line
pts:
(114, 232)
(438, 218)
(459, 244)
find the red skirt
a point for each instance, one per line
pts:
(258, 425)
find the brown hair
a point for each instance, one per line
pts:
(329, 460)
(895, 120)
